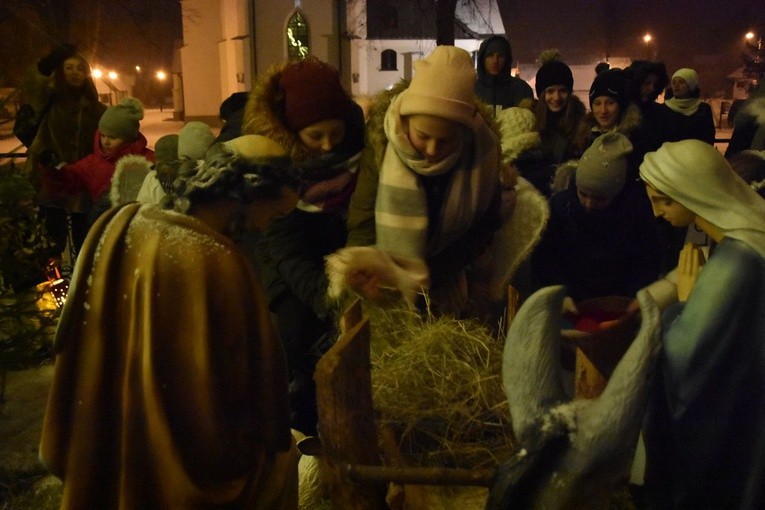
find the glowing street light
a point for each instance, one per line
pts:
(138, 69)
(97, 73)
(651, 44)
(161, 75)
(112, 75)
(749, 36)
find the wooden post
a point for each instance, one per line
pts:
(346, 416)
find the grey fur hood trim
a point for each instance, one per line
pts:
(756, 109)
(628, 124)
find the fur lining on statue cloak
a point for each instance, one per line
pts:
(170, 382)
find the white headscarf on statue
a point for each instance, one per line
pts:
(696, 175)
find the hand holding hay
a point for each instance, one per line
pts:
(370, 272)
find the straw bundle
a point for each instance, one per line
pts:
(437, 383)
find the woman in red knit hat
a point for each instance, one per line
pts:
(304, 107)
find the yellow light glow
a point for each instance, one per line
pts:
(97, 73)
(161, 75)
(112, 75)
(647, 38)
(749, 36)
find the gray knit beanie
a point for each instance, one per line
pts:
(166, 149)
(122, 120)
(602, 171)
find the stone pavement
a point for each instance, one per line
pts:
(26, 393)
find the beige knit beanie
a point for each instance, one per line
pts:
(442, 86)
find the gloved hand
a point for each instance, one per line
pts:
(55, 58)
(48, 158)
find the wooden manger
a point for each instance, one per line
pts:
(363, 459)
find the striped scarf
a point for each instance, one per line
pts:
(401, 209)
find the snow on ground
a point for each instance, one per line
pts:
(155, 124)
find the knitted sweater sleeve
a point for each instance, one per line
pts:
(361, 210)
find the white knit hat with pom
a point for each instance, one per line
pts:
(518, 135)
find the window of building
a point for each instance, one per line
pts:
(297, 36)
(388, 61)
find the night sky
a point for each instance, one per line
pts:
(705, 35)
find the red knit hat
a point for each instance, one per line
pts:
(312, 93)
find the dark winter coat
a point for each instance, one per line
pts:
(558, 144)
(290, 253)
(748, 127)
(503, 90)
(652, 131)
(699, 126)
(67, 129)
(613, 252)
(628, 124)
(263, 117)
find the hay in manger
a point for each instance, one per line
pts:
(436, 382)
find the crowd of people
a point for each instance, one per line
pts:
(199, 304)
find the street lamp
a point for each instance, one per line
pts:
(649, 41)
(96, 73)
(112, 75)
(161, 77)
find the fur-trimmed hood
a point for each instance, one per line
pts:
(264, 110)
(638, 71)
(628, 124)
(129, 174)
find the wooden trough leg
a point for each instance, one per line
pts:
(346, 416)
(589, 382)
